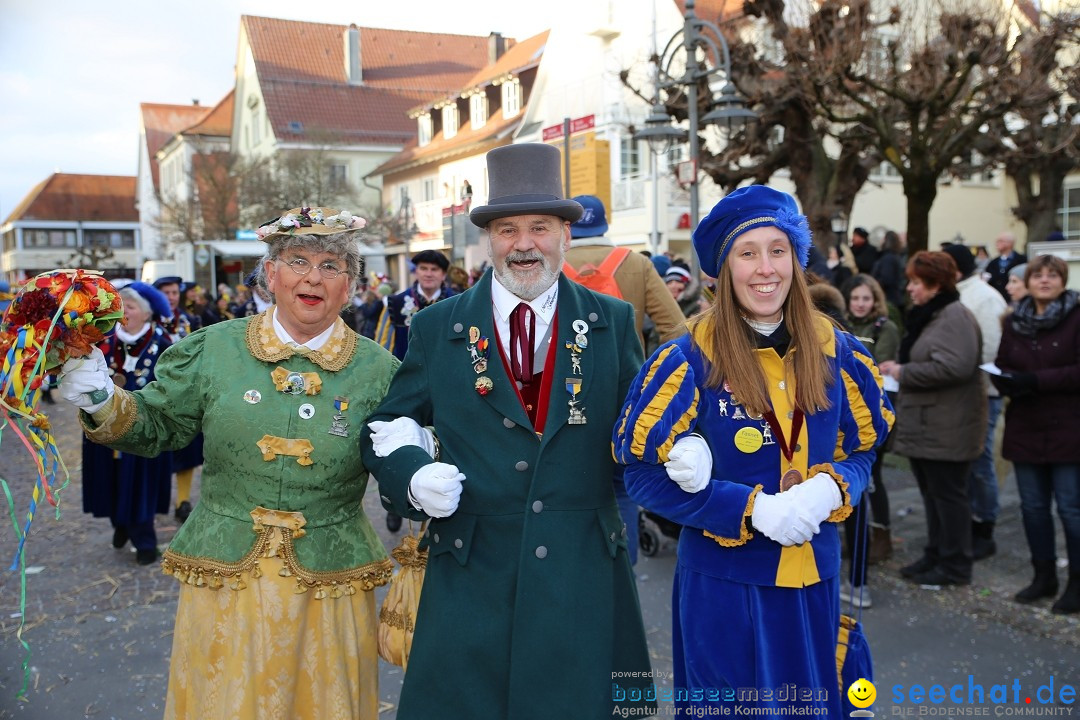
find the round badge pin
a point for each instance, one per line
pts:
(748, 440)
(295, 384)
(580, 327)
(581, 341)
(252, 397)
(307, 411)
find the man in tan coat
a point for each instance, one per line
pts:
(638, 282)
(591, 257)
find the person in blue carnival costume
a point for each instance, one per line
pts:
(126, 488)
(756, 432)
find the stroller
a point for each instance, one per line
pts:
(652, 528)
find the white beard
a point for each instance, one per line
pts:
(527, 289)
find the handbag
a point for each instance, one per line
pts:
(853, 659)
(397, 616)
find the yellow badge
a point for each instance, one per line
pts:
(748, 440)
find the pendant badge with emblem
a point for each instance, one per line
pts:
(576, 348)
(483, 385)
(338, 426)
(294, 384)
(577, 412)
(478, 351)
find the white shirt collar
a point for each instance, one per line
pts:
(429, 298)
(314, 343)
(505, 301)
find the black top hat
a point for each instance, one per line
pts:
(524, 179)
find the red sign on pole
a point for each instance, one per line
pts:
(576, 125)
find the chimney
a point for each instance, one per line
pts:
(496, 47)
(354, 73)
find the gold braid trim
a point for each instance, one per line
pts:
(123, 412)
(841, 513)
(213, 574)
(264, 345)
(401, 621)
(744, 527)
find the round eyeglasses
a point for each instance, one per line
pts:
(302, 267)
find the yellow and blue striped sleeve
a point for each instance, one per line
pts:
(662, 405)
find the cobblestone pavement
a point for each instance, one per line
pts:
(100, 626)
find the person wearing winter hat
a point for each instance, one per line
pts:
(988, 307)
(279, 543)
(756, 433)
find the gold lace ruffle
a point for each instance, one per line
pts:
(744, 528)
(841, 513)
(263, 343)
(275, 531)
(123, 413)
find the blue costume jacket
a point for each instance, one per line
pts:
(392, 330)
(786, 638)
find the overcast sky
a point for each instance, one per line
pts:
(72, 74)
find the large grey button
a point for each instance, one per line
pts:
(458, 327)
(436, 537)
(458, 543)
(593, 317)
(521, 466)
(541, 552)
(538, 506)
(508, 423)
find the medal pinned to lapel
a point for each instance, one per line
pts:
(577, 412)
(576, 348)
(483, 385)
(338, 426)
(478, 351)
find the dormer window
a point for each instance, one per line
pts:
(478, 110)
(450, 121)
(511, 98)
(424, 129)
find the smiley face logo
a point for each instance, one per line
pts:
(862, 693)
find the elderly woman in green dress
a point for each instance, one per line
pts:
(278, 562)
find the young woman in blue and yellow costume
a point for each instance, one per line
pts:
(755, 431)
(276, 614)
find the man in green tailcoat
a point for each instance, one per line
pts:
(529, 608)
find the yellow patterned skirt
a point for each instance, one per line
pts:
(267, 653)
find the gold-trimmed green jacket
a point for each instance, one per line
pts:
(280, 452)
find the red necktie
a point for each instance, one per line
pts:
(522, 329)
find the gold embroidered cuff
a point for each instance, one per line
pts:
(117, 422)
(841, 513)
(744, 527)
(271, 446)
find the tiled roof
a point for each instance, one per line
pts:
(161, 122)
(522, 56)
(715, 11)
(301, 71)
(466, 142)
(70, 197)
(218, 121)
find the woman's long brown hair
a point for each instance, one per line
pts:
(732, 357)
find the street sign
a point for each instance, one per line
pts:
(576, 125)
(246, 235)
(202, 255)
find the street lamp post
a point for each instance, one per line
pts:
(728, 111)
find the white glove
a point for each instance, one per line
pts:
(435, 489)
(780, 519)
(86, 382)
(690, 463)
(386, 437)
(816, 498)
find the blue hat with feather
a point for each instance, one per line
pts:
(743, 210)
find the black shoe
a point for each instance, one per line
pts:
(1069, 602)
(937, 576)
(982, 540)
(393, 521)
(119, 537)
(182, 511)
(147, 557)
(918, 567)
(1045, 584)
